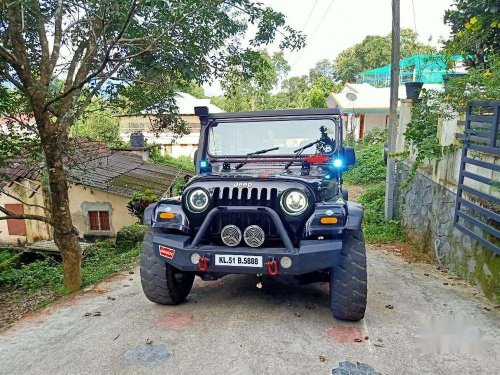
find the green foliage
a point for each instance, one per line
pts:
(421, 132)
(375, 228)
(98, 124)
(33, 276)
(103, 261)
(475, 30)
(182, 162)
(139, 201)
(373, 52)
(478, 84)
(369, 167)
(128, 237)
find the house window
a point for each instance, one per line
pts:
(16, 227)
(99, 220)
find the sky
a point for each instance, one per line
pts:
(334, 25)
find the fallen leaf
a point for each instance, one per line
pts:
(366, 337)
(116, 337)
(97, 313)
(445, 283)
(357, 339)
(297, 315)
(131, 272)
(379, 345)
(380, 340)
(149, 341)
(390, 307)
(308, 307)
(87, 314)
(486, 308)
(322, 358)
(111, 298)
(426, 274)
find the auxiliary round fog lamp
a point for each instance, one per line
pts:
(195, 258)
(286, 262)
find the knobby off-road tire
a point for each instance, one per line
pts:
(163, 283)
(348, 286)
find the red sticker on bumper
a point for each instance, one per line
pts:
(167, 252)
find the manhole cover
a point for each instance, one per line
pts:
(147, 355)
(354, 368)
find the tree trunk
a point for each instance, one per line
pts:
(54, 139)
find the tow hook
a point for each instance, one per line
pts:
(203, 263)
(272, 267)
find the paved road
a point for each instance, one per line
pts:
(231, 327)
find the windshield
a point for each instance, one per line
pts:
(242, 138)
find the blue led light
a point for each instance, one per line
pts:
(338, 163)
(203, 164)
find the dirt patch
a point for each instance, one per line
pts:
(346, 334)
(406, 251)
(175, 320)
(354, 192)
(15, 304)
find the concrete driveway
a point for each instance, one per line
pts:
(231, 327)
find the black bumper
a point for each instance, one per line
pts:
(311, 255)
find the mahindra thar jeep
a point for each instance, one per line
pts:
(267, 199)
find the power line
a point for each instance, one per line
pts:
(310, 14)
(313, 33)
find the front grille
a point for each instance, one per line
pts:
(245, 197)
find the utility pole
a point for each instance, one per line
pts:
(393, 116)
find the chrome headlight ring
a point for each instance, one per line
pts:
(197, 200)
(294, 202)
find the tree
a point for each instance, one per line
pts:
(253, 93)
(373, 52)
(132, 52)
(98, 123)
(475, 30)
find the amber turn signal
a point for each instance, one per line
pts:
(329, 220)
(167, 215)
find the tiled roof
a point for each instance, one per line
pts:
(94, 165)
(123, 173)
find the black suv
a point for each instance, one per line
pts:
(267, 199)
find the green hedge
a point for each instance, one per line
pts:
(128, 237)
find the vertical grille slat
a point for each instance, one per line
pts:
(232, 196)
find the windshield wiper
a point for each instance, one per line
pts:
(256, 153)
(299, 151)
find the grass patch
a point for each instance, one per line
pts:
(369, 172)
(376, 229)
(100, 261)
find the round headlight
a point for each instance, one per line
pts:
(294, 202)
(197, 200)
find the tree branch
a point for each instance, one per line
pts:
(104, 62)
(58, 34)
(3, 192)
(10, 215)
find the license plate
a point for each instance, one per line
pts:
(238, 260)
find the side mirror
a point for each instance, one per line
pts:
(195, 158)
(349, 156)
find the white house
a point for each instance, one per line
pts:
(169, 144)
(365, 107)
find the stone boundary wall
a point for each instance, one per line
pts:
(426, 210)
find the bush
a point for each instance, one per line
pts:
(376, 229)
(103, 261)
(140, 201)
(128, 237)
(369, 167)
(33, 276)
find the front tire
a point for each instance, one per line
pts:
(348, 280)
(161, 282)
